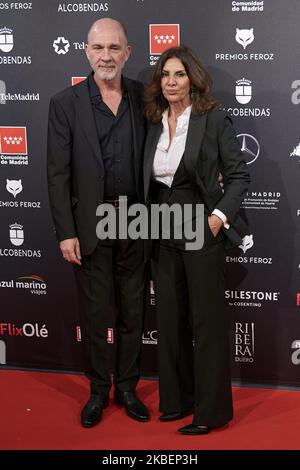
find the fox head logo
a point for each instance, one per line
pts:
(244, 36)
(247, 243)
(14, 186)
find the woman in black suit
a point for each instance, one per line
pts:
(189, 142)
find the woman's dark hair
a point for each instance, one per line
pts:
(200, 80)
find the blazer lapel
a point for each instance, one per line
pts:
(86, 117)
(138, 131)
(193, 144)
(153, 136)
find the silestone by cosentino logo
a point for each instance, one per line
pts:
(242, 298)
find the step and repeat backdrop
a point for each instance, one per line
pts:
(252, 50)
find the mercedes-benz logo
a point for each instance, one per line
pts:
(250, 147)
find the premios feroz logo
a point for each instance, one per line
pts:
(16, 6)
(247, 244)
(15, 188)
(245, 38)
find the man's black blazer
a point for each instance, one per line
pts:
(74, 161)
(211, 147)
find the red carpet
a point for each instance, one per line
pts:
(41, 411)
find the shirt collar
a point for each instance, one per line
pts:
(94, 89)
(182, 120)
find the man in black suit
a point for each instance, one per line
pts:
(95, 141)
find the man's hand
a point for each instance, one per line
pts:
(215, 224)
(70, 249)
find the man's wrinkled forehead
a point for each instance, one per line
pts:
(107, 32)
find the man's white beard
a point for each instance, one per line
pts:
(106, 75)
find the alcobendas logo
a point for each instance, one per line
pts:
(6, 40)
(6, 45)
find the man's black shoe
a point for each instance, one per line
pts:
(92, 412)
(165, 417)
(194, 429)
(134, 407)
